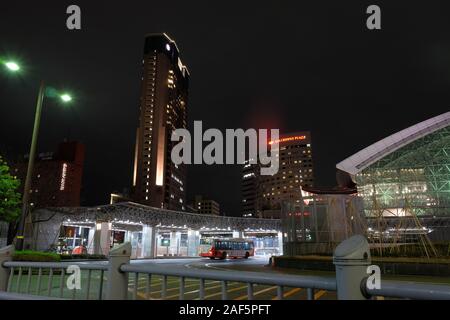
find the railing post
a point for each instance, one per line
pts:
(351, 258)
(5, 255)
(117, 283)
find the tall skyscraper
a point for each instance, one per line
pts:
(266, 193)
(157, 181)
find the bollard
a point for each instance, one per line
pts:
(117, 283)
(351, 258)
(5, 255)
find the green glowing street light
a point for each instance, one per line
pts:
(66, 97)
(12, 66)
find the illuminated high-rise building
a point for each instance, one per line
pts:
(157, 181)
(262, 193)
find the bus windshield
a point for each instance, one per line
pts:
(205, 241)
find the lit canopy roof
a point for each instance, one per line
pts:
(141, 214)
(364, 158)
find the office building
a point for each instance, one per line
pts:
(57, 176)
(206, 206)
(266, 193)
(250, 175)
(157, 181)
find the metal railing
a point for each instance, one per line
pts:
(51, 271)
(311, 283)
(410, 290)
(21, 296)
(350, 281)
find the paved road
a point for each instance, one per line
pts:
(202, 262)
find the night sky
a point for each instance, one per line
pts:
(254, 64)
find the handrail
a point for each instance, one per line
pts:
(20, 296)
(411, 290)
(350, 284)
(297, 281)
(25, 269)
(55, 265)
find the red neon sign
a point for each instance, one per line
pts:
(287, 139)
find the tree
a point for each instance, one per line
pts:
(10, 199)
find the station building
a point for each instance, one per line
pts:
(396, 192)
(153, 232)
(404, 179)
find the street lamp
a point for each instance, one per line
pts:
(27, 186)
(66, 98)
(12, 66)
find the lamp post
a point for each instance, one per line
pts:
(20, 235)
(27, 186)
(28, 180)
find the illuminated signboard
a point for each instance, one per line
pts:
(288, 139)
(62, 185)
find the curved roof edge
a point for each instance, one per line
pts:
(364, 158)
